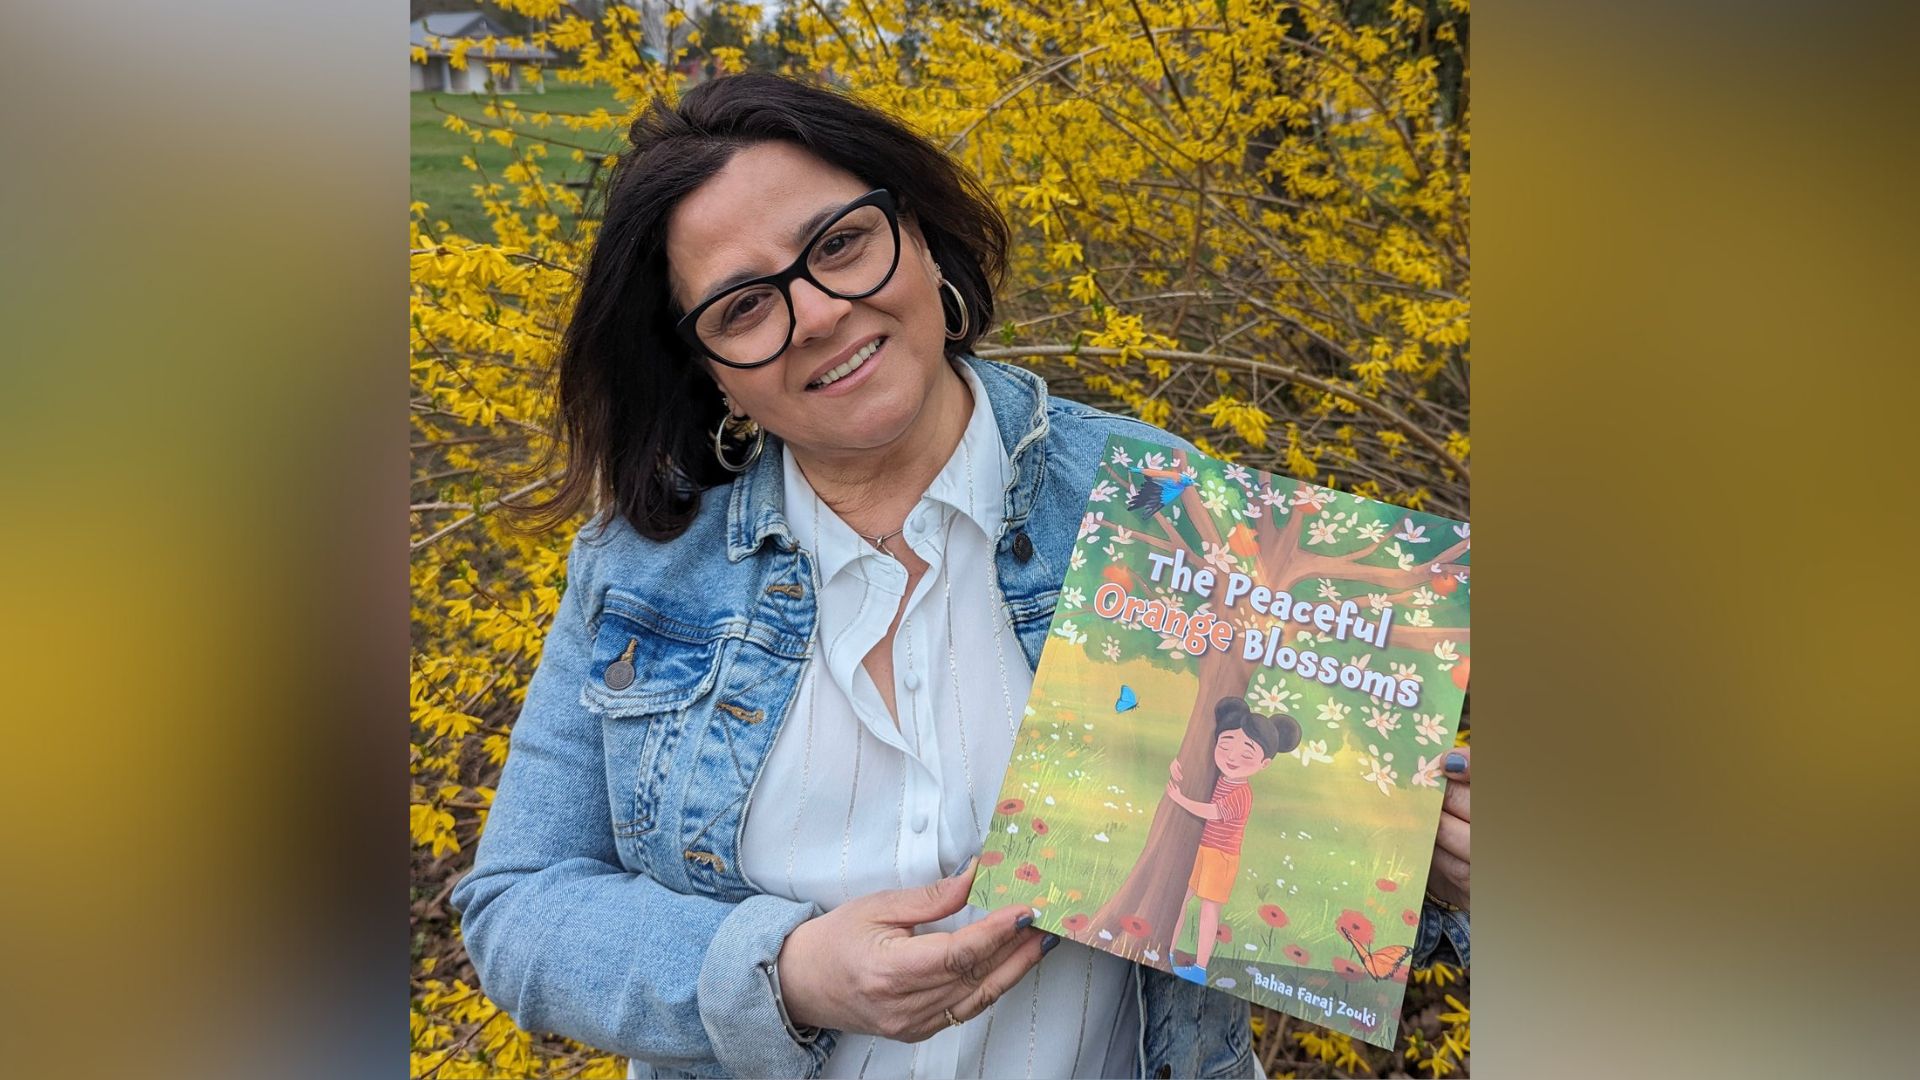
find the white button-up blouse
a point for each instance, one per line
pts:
(850, 803)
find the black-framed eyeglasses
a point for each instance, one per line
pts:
(850, 257)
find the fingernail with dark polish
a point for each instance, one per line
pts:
(1456, 762)
(1023, 921)
(1047, 945)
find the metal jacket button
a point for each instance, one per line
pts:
(1022, 546)
(619, 674)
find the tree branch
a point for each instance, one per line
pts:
(1257, 367)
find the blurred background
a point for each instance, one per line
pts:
(1691, 432)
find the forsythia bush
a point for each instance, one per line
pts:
(1244, 220)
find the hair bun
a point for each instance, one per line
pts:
(1230, 707)
(1289, 731)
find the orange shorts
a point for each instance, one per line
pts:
(1213, 872)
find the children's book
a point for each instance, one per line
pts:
(1231, 764)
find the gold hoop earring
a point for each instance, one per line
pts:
(740, 429)
(966, 318)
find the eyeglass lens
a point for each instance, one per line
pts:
(850, 259)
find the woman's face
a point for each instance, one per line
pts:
(753, 218)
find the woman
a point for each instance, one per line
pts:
(734, 833)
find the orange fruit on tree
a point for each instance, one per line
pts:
(1459, 672)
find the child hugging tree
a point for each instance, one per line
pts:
(1244, 742)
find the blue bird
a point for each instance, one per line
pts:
(1157, 489)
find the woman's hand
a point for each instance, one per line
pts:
(860, 967)
(1450, 878)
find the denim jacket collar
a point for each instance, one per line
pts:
(755, 513)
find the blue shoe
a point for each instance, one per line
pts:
(1193, 973)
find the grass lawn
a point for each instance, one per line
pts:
(437, 177)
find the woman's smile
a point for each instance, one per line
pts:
(843, 376)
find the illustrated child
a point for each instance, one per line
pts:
(1244, 742)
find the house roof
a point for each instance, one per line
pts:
(451, 25)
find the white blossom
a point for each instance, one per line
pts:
(1428, 729)
(1427, 774)
(1380, 770)
(1309, 752)
(1219, 557)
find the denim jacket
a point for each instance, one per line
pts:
(606, 902)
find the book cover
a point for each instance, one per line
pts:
(1230, 766)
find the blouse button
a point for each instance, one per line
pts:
(912, 681)
(920, 822)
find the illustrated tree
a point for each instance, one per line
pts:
(1282, 539)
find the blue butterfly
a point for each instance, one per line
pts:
(1127, 699)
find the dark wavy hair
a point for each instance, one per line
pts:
(636, 407)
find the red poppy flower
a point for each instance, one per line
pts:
(1135, 925)
(1298, 955)
(1039, 827)
(1028, 872)
(1224, 934)
(1409, 918)
(1073, 924)
(1013, 806)
(1272, 916)
(1386, 885)
(1357, 927)
(1347, 969)
(992, 858)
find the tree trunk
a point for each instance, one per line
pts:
(1157, 884)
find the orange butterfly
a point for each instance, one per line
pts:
(1381, 963)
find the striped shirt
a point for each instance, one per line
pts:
(849, 802)
(1235, 801)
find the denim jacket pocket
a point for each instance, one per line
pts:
(647, 669)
